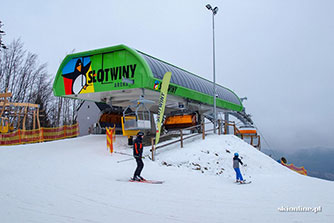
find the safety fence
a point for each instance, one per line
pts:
(39, 135)
(221, 128)
(300, 170)
(201, 131)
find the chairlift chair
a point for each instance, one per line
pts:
(137, 116)
(248, 130)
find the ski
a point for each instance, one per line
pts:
(245, 182)
(148, 181)
(144, 181)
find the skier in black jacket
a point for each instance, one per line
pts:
(137, 153)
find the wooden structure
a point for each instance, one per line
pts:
(202, 132)
(249, 133)
(19, 111)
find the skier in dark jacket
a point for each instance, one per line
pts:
(236, 162)
(137, 153)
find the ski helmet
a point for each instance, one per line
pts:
(140, 134)
(236, 154)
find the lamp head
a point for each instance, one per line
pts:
(208, 6)
(215, 10)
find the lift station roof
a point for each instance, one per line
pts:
(118, 75)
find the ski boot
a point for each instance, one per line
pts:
(136, 178)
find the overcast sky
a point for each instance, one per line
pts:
(278, 53)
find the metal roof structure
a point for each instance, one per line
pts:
(188, 80)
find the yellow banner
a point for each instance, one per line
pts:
(162, 103)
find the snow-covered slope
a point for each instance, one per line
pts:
(76, 180)
(214, 156)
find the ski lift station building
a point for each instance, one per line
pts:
(119, 75)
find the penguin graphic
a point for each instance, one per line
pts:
(76, 81)
(156, 85)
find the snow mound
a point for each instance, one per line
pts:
(213, 156)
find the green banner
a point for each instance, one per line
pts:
(162, 103)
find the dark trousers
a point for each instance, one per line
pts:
(140, 166)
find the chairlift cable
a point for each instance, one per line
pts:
(269, 146)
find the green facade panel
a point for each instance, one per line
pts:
(119, 68)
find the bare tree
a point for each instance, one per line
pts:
(19, 71)
(60, 105)
(28, 81)
(75, 106)
(2, 33)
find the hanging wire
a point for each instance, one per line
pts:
(268, 145)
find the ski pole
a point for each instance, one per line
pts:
(126, 154)
(120, 161)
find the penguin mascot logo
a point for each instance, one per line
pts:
(75, 81)
(156, 85)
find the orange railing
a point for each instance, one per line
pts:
(39, 135)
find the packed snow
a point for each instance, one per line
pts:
(78, 180)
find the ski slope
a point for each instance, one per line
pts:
(77, 180)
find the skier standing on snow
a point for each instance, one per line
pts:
(137, 153)
(236, 162)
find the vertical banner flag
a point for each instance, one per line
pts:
(162, 103)
(110, 133)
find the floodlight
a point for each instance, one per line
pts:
(215, 10)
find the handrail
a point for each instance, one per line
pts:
(182, 138)
(203, 131)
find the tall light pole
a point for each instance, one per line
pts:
(214, 12)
